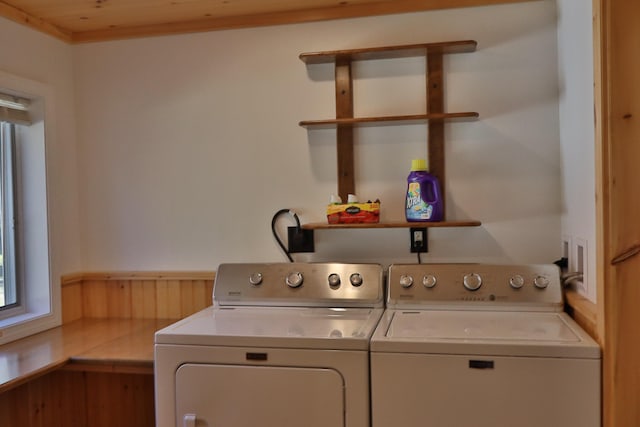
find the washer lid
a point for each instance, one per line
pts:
(275, 327)
(537, 334)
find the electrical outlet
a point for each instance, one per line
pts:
(300, 240)
(581, 262)
(419, 242)
(566, 252)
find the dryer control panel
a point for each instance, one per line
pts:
(300, 285)
(475, 286)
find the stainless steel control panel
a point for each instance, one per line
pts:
(300, 284)
(475, 286)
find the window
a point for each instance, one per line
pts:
(9, 282)
(29, 301)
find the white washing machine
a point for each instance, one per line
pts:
(283, 345)
(484, 346)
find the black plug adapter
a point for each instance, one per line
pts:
(300, 240)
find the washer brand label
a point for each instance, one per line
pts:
(234, 293)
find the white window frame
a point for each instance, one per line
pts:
(39, 305)
(12, 282)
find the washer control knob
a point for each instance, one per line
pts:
(406, 281)
(294, 280)
(355, 279)
(472, 281)
(334, 280)
(516, 281)
(255, 279)
(429, 281)
(541, 282)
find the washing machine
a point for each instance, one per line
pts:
(483, 346)
(282, 345)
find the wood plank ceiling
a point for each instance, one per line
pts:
(79, 21)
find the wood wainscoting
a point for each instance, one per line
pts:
(136, 295)
(86, 394)
(65, 398)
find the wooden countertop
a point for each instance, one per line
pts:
(105, 344)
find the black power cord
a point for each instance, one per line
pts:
(273, 229)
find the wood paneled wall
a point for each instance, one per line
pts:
(616, 40)
(80, 396)
(148, 295)
(80, 399)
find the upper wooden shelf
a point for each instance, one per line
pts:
(406, 119)
(402, 51)
(393, 224)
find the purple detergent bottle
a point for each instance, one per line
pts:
(424, 200)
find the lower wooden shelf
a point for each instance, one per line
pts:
(393, 224)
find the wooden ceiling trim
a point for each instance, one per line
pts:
(339, 11)
(280, 18)
(21, 17)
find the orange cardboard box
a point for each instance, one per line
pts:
(353, 213)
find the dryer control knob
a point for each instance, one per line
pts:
(356, 279)
(255, 279)
(294, 280)
(406, 281)
(541, 282)
(516, 281)
(429, 281)
(334, 280)
(472, 281)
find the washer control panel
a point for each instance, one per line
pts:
(475, 285)
(300, 284)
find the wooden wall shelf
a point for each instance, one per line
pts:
(389, 52)
(393, 224)
(345, 122)
(387, 120)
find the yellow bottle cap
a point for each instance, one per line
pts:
(418, 165)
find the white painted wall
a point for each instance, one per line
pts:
(575, 46)
(30, 55)
(189, 144)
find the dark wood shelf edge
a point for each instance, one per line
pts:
(393, 224)
(406, 119)
(389, 52)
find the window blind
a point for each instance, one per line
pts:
(14, 109)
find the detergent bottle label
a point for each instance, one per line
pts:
(416, 207)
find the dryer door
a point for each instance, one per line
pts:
(250, 396)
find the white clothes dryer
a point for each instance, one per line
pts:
(283, 345)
